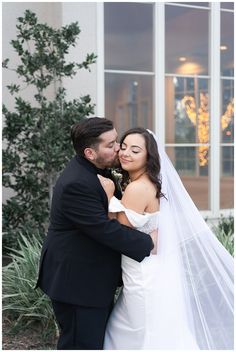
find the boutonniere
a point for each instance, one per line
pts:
(116, 174)
(117, 178)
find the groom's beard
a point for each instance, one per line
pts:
(103, 163)
(116, 163)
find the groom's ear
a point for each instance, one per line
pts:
(90, 154)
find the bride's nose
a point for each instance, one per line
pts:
(126, 152)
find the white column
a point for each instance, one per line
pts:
(100, 108)
(215, 108)
(159, 67)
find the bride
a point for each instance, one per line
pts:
(182, 297)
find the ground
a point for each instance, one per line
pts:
(29, 338)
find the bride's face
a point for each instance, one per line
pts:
(133, 153)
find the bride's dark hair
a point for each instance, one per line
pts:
(153, 166)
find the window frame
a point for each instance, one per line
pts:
(159, 88)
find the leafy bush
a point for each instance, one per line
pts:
(227, 239)
(225, 233)
(21, 302)
(36, 134)
(226, 224)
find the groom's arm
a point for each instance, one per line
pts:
(83, 207)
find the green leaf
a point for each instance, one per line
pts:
(4, 63)
(36, 133)
(13, 88)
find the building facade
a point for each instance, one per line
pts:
(166, 66)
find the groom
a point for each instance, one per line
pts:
(80, 265)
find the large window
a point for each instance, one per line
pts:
(134, 68)
(227, 106)
(187, 96)
(129, 64)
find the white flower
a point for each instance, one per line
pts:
(117, 176)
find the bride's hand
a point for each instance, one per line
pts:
(108, 186)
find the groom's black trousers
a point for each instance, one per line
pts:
(81, 328)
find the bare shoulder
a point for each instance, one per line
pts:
(136, 196)
(138, 186)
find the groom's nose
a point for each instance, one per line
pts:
(117, 147)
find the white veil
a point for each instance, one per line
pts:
(197, 294)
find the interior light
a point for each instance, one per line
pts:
(175, 81)
(189, 68)
(182, 58)
(223, 47)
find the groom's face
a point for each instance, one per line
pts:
(106, 154)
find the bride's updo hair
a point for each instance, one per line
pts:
(153, 166)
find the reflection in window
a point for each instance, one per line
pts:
(185, 161)
(129, 100)
(195, 179)
(227, 5)
(205, 4)
(227, 117)
(186, 32)
(227, 44)
(187, 117)
(128, 36)
(227, 152)
(227, 178)
(227, 161)
(227, 107)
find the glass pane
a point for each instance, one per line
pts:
(205, 4)
(128, 36)
(129, 100)
(227, 113)
(227, 5)
(193, 176)
(227, 44)
(227, 178)
(187, 44)
(187, 110)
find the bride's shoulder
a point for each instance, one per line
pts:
(137, 186)
(135, 197)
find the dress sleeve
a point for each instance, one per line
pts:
(136, 219)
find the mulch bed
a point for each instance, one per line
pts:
(28, 338)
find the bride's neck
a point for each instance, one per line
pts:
(136, 175)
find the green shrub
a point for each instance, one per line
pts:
(226, 224)
(225, 233)
(21, 302)
(227, 240)
(36, 132)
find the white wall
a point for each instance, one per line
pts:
(49, 13)
(85, 13)
(55, 14)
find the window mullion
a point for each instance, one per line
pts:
(100, 106)
(215, 109)
(159, 67)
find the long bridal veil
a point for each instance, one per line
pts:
(197, 295)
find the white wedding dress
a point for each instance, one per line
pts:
(139, 319)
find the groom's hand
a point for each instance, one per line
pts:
(154, 236)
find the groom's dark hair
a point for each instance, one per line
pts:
(86, 133)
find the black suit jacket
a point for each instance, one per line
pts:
(81, 254)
